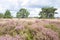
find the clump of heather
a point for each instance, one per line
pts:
(41, 33)
(28, 30)
(54, 28)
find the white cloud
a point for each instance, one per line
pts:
(34, 11)
(24, 2)
(40, 2)
(58, 15)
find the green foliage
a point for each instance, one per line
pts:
(23, 13)
(48, 12)
(27, 33)
(1, 15)
(7, 14)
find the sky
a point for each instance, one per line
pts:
(33, 6)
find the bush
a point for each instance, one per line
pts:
(54, 28)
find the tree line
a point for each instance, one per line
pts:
(47, 12)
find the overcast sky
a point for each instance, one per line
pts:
(33, 6)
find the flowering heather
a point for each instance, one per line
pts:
(29, 29)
